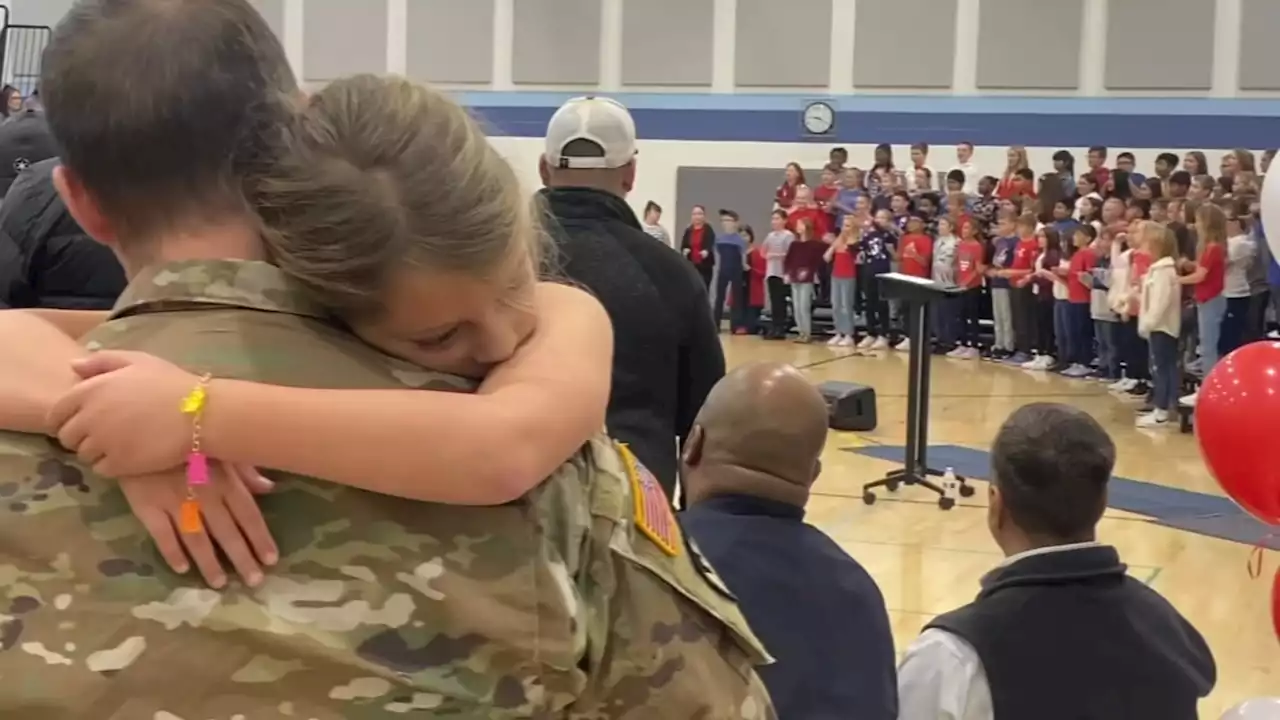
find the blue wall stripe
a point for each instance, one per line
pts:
(929, 104)
(1044, 122)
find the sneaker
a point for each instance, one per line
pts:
(1188, 400)
(904, 346)
(1041, 362)
(879, 344)
(1123, 385)
(1153, 419)
(1139, 389)
(1058, 367)
(867, 342)
(1017, 359)
(1077, 371)
(835, 340)
(957, 352)
(845, 341)
(972, 353)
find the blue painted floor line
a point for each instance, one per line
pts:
(1200, 513)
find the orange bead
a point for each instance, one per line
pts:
(189, 517)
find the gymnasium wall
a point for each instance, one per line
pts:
(1191, 48)
(722, 83)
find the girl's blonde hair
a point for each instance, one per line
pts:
(1020, 162)
(1158, 241)
(1211, 227)
(376, 174)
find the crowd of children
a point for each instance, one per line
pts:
(1131, 280)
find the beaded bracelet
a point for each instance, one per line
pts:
(197, 463)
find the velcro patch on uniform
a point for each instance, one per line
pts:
(708, 573)
(653, 515)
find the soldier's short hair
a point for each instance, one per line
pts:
(162, 107)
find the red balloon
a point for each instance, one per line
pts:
(1238, 425)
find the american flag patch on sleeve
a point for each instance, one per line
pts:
(653, 515)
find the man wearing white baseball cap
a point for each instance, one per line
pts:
(667, 353)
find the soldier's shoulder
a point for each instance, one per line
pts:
(271, 347)
(648, 533)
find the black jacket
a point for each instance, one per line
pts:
(1070, 636)
(46, 260)
(706, 265)
(667, 353)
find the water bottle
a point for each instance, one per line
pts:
(950, 484)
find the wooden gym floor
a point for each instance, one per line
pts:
(928, 561)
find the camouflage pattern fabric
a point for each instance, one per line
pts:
(550, 607)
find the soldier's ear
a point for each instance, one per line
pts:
(83, 206)
(692, 454)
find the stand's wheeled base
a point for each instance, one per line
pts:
(1186, 414)
(896, 478)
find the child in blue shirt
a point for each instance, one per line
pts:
(1063, 221)
(731, 252)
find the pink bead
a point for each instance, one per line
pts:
(197, 469)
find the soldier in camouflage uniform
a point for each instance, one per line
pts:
(575, 601)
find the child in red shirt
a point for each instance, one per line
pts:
(915, 257)
(804, 208)
(1022, 299)
(757, 265)
(792, 180)
(970, 254)
(1078, 323)
(843, 280)
(1208, 277)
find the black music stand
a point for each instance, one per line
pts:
(919, 295)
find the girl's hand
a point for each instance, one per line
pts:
(125, 417)
(230, 521)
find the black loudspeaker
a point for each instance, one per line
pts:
(851, 406)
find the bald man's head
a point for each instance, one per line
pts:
(764, 420)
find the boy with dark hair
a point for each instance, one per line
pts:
(775, 247)
(731, 252)
(1126, 161)
(838, 158)
(1025, 186)
(1059, 631)
(985, 205)
(927, 208)
(651, 223)
(1166, 163)
(1179, 184)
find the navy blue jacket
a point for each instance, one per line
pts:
(815, 608)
